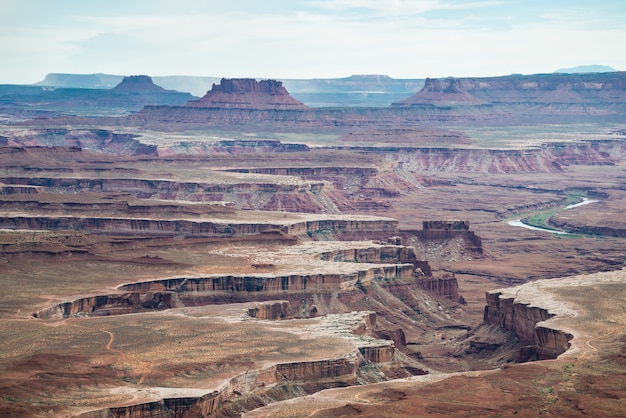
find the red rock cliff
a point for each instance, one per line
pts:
(511, 311)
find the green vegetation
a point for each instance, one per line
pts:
(575, 197)
(541, 220)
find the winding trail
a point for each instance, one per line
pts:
(111, 341)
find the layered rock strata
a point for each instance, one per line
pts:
(246, 93)
(444, 230)
(379, 254)
(446, 286)
(551, 89)
(540, 158)
(159, 294)
(285, 193)
(315, 224)
(270, 310)
(520, 311)
(341, 370)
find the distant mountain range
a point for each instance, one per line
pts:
(587, 69)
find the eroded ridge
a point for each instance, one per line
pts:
(536, 316)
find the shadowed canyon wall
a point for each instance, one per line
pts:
(525, 321)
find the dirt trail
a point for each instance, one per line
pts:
(111, 341)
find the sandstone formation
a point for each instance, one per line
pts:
(380, 254)
(245, 93)
(527, 319)
(566, 92)
(157, 291)
(444, 230)
(545, 97)
(446, 286)
(379, 354)
(270, 310)
(193, 291)
(316, 224)
(19, 189)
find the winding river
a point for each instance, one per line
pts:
(518, 222)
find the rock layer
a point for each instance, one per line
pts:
(246, 93)
(528, 322)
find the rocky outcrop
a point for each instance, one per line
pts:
(378, 354)
(105, 305)
(318, 369)
(380, 254)
(445, 230)
(245, 93)
(445, 286)
(270, 310)
(19, 189)
(527, 322)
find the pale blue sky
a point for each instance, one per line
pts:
(307, 38)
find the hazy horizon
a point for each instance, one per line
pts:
(283, 39)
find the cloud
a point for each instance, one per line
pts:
(309, 38)
(399, 7)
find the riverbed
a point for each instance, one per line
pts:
(519, 223)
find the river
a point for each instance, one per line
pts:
(518, 222)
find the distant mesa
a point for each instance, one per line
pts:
(247, 93)
(587, 69)
(81, 81)
(446, 91)
(138, 84)
(515, 89)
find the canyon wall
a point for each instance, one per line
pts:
(198, 228)
(446, 286)
(544, 158)
(445, 230)
(340, 369)
(389, 254)
(270, 310)
(525, 321)
(159, 294)
(292, 196)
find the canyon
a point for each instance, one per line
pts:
(245, 254)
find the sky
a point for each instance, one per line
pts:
(307, 38)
